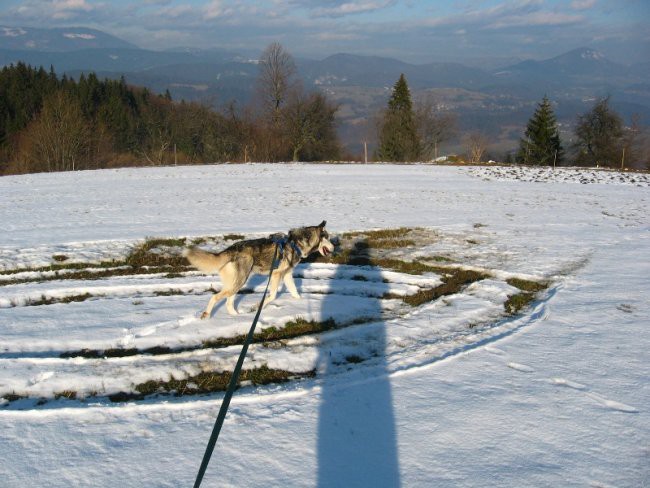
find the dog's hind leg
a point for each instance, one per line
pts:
(213, 301)
(291, 285)
(273, 286)
(236, 276)
(233, 276)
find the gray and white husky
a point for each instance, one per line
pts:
(235, 263)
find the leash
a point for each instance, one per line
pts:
(279, 241)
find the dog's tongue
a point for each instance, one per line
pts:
(325, 251)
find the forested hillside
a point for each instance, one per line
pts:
(49, 123)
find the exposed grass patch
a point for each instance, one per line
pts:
(439, 259)
(64, 267)
(35, 302)
(208, 382)
(529, 289)
(516, 302)
(170, 293)
(87, 274)
(119, 352)
(451, 285)
(145, 255)
(293, 328)
(59, 258)
(397, 233)
(358, 256)
(381, 239)
(12, 397)
(233, 237)
(527, 285)
(69, 394)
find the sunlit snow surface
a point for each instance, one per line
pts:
(451, 393)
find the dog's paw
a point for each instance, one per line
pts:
(205, 315)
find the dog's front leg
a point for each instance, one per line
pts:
(291, 285)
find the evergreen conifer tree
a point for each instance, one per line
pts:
(398, 140)
(541, 145)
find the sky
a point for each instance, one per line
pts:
(413, 31)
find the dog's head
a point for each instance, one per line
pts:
(312, 239)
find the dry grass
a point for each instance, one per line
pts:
(529, 290)
(207, 382)
(527, 285)
(517, 302)
(452, 284)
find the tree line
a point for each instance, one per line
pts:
(600, 138)
(51, 123)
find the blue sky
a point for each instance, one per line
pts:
(414, 31)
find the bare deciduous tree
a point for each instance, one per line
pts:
(309, 125)
(159, 133)
(475, 144)
(599, 135)
(434, 126)
(276, 80)
(59, 138)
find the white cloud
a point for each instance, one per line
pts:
(9, 32)
(341, 9)
(72, 35)
(582, 4)
(66, 9)
(175, 11)
(336, 36)
(215, 9)
(535, 19)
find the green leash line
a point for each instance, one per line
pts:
(233, 380)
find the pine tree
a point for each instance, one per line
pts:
(541, 145)
(398, 140)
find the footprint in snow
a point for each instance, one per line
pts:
(494, 350)
(41, 377)
(611, 404)
(605, 402)
(568, 383)
(520, 367)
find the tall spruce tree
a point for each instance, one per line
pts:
(398, 139)
(541, 143)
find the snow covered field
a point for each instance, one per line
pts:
(452, 392)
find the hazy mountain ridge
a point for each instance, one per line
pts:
(496, 101)
(58, 39)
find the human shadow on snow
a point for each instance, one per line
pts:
(357, 439)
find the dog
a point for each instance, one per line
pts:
(235, 263)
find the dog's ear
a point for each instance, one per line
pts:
(322, 224)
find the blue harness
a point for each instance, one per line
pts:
(282, 240)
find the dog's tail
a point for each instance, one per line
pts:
(205, 261)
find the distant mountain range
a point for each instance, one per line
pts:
(497, 101)
(58, 39)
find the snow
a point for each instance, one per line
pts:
(450, 393)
